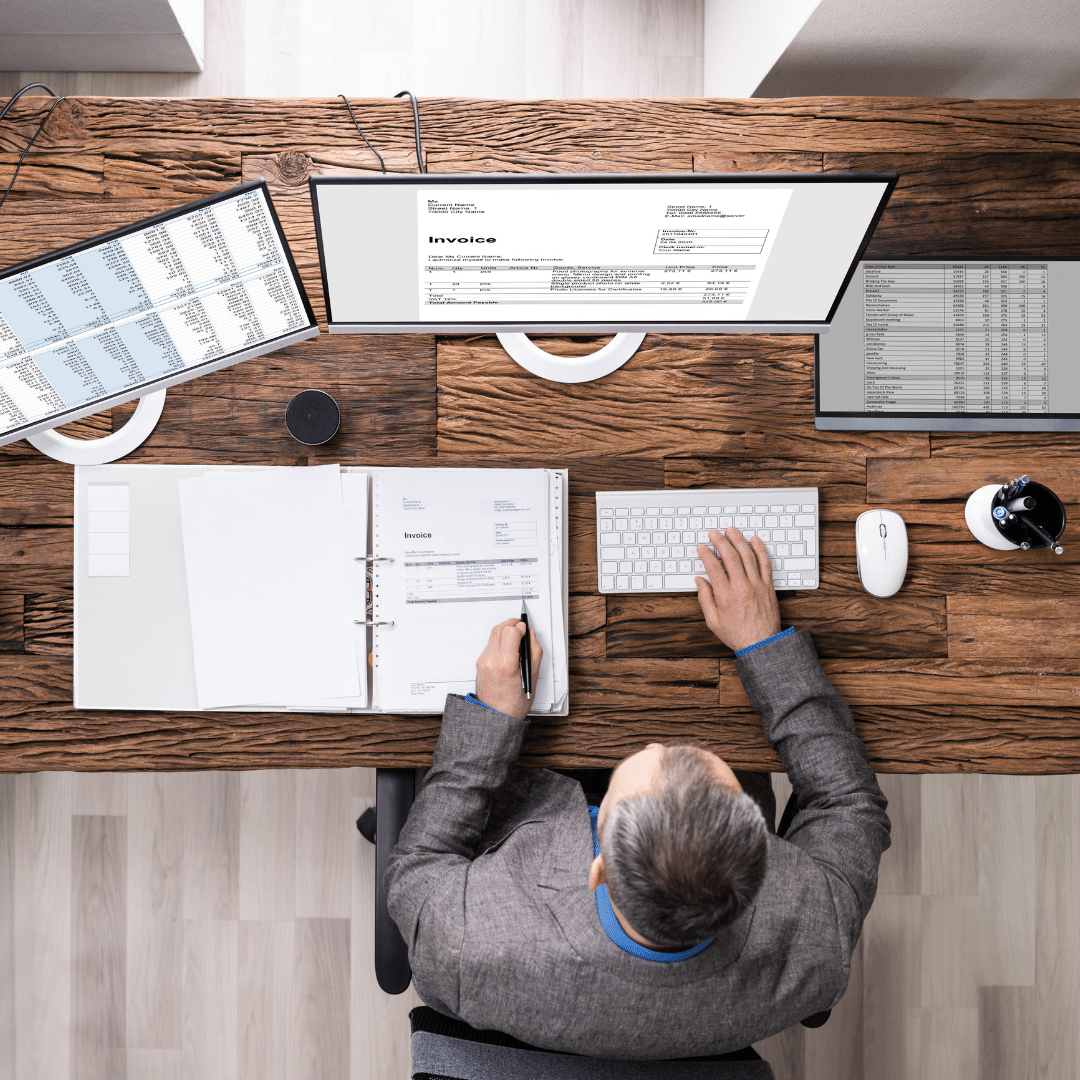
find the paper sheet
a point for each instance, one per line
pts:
(269, 586)
(468, 545)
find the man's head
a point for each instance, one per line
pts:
(682, 848)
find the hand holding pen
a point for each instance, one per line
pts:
(498, 670)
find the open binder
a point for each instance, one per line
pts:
(320, 589)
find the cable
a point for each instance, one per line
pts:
(362, 135)
(416, 128)
(33, 138)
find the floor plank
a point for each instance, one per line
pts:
(98, 946)
(155, 909)
(43, 926)
(211, 845)
(325, 843)
(265, 984)
(1006, 1026)
(210, 1000)
(949, 835)
(321, 1000)
(267, 879)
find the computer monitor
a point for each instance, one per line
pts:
(146, 307)
(696, 253)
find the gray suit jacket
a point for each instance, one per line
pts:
(489, 887)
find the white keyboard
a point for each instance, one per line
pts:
(646, 541)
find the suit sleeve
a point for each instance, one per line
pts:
(428, 869)
(841, 822)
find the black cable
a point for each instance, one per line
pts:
(33, 138)
(362, 135)
(416, 128)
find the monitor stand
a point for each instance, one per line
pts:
(571, 369)
(108, 448)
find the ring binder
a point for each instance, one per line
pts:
(369, 622)
(373, 558)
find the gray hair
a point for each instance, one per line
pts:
(687, 857)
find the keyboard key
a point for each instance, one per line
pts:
(775, 563)
(770, 548)
(622, 582)
(699, 567)
(798, 549)
(622, 524)
(716, 509)
(622, 511)
(794, 534)
(648, 553)
(663, 552)
(756, 521)
(609, 568)
(791, 508)
(610, 539)
(697, 522)
(652, 511)
(771, 521)
(710, 522)
(764, 534)
(679, 581)
(748, 534)
(729, 510)
(665, 523)
(606, 512)
(654, 581)
(670, 566)
(684, 510)
(761, 509)
(644, 538)
(677, 551)
(633, 553)
(703, 536)
(626, 567)
(607, 582)
(786, 521)
(641, 566)
(685, 565)
(681, 523)
(698, 510)
(651, 523)
(794, 579)
(741, 521)
(779, 534)
(606, 525)
(783, 549)
(689, 537)
(637, 523)
(746, 509)
(674, 537)
(799, 564)
(809, 583)
(811, 541)
(779, 582)
(808, 508)
(726, 522)
(776, 509)
(637, 583)
(637, 511)
(667, 509)
(655, 567)
(614, 553)
(804, 519)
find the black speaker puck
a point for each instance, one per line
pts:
(312, 417)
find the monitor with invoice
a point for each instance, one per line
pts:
(591, 253)
(146, 307)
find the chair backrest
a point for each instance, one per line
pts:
(481, 1055)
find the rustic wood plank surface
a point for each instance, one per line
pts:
(973, 666)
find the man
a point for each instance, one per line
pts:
(669, 921)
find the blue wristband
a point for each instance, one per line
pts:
(768, 641)
(476, 701)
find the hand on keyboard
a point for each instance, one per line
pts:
(738, 600)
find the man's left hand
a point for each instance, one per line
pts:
(498, 673)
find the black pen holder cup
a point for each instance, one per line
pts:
(1008, 535)
(1048, 515)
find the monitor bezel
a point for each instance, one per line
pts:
(941, 421)
(788, 326)
(151, 386)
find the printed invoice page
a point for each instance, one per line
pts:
(457, 551)
(491, 253)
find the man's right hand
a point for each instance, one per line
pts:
(738, 600)
(498, 674)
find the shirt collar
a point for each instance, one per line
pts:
(612, 926)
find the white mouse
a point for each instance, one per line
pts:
(881, 547)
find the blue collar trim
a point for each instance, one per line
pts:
(612, 926)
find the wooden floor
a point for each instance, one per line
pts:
(218, 926)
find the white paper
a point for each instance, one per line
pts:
(550, 253)
(468, 545)
(268, 586)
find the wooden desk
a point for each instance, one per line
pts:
(974, 665)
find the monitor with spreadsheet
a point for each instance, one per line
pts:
(591, 253)
(146, 307)
(953, 344)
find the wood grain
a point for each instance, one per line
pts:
(951, 673)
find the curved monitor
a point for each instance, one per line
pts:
(591, 253)
(146, 307)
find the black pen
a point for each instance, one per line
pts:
(525, 656)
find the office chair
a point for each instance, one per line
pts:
(438, 1041)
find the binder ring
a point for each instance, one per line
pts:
(368, 622)
(372, 558)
